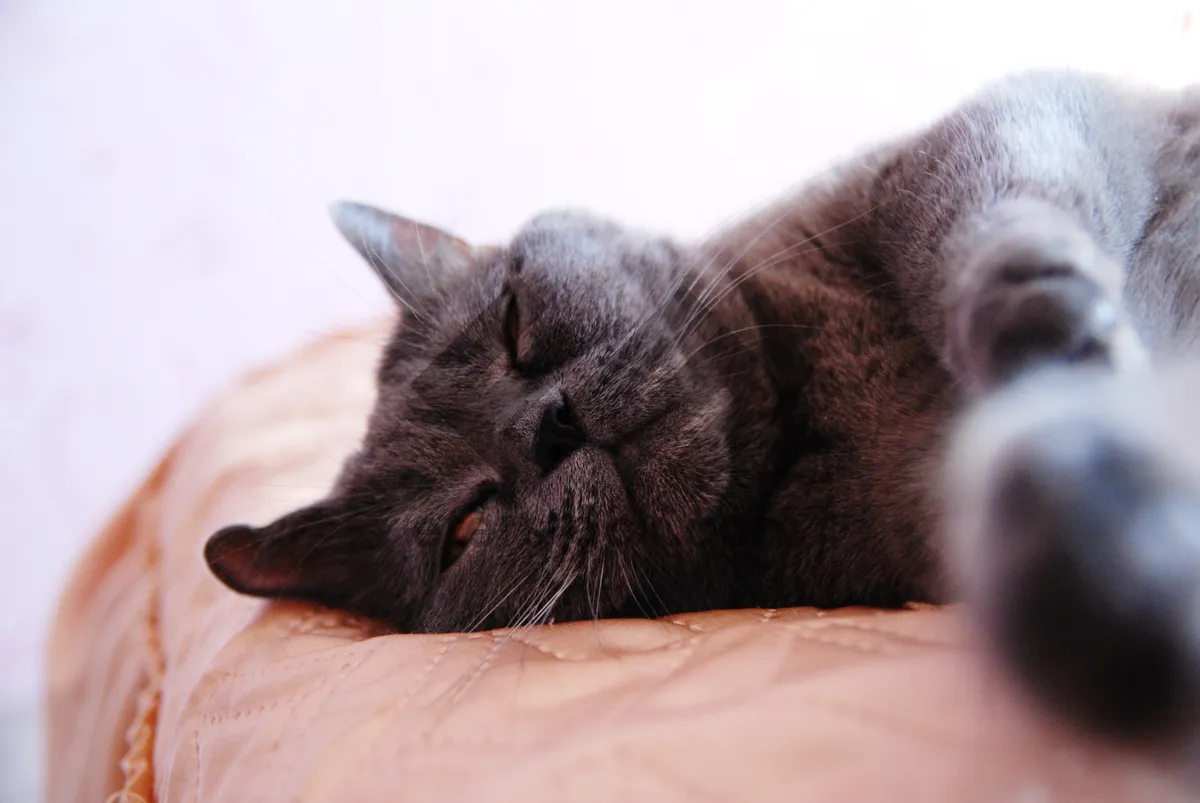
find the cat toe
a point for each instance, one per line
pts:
(1094, 590)
(1026, 319)
(1038, 291)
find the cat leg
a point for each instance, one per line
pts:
(1032, 288)
(1074, 533)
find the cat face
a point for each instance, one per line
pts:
(554, 436)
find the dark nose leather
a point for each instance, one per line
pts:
(558, 433)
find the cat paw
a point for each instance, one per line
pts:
(1089, 584)
(1030, 314)
(1041, 294)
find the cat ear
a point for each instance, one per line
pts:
(409, 257)
(313, 553)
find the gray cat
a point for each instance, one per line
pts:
(597, 422)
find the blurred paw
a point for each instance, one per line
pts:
(1091, 585)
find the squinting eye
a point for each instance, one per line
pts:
(460, 536)
(467, 526)
(512, 329)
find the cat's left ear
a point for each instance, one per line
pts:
(410, 257)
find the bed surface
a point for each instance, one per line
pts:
(164, 685)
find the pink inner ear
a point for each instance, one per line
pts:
(235, 555)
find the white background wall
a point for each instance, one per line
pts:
(164, 171)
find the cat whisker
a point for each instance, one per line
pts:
(423, 315)
(711, 247)
(644, 584)
(732, 261)
(699, 315)
(745, 329)
(503, 598)
(705, 306)
(681, 275)
(646, 580)
(424, 259)
(594, 601)
(537, 611)
(455, 690)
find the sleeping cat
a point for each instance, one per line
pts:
(593, 421)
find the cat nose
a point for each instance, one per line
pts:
(558, 432)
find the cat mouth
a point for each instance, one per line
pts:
(602, 476)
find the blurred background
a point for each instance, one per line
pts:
(165, 170)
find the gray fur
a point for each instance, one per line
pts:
(761, 419)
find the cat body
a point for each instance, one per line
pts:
(593, 421)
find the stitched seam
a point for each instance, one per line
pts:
(418, 683)
(692, 791)
(196, 742)
(633, 701)
(695, 628)
(136, 764)
(456, 692)
(288, 663)
(847, 643)
(890, 724)
(562, 656)
(865, 628)
(318, 695)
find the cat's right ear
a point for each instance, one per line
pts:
(316, 553)
(411, 258)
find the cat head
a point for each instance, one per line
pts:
(555, 436)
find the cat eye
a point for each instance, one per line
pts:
(512, 330)
(460, 536)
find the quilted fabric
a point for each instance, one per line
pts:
(164, 685)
